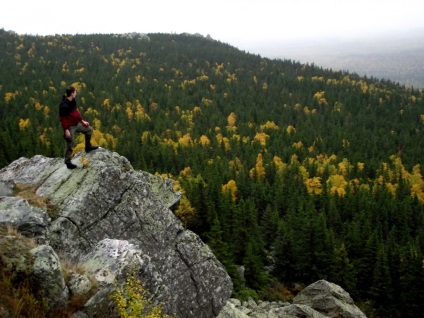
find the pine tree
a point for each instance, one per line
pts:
(269, 226)
(381, 286)
(255, 274)
(342, 271)
(411, 275)
(284, 258)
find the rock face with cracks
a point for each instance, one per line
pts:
(107, 215)
(109, 220)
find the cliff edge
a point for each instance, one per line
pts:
(104, 216)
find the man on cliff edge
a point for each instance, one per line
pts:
(72, 122)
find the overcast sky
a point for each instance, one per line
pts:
(245, 24)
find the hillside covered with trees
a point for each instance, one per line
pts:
(295, 172)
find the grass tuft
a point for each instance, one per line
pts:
(28, 192)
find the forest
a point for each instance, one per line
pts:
(290, 172)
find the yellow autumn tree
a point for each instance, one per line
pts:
(207, 102)
(313, 185)
(97, 124)
(145, 136)
(231, 188)
(399, 167)
(336, 184)
(231, 119)
(79, 86)
(91, 111)
(298, 145)
(9, 96)
(197, 110)
(344, 167)
(204, 141)
(320, 97)
(258, 172)
(185, 140)
(187, 117)
(140, 114)
(130, 113)
(223, 141)
(290, 129)
(44, 137)
(24, 124)
(46, 111)
(279, 164)
(417, 183)
(269, 125)
(261, 137)
(185, 212)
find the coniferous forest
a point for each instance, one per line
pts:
(288, 171)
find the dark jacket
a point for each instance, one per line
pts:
(68, 113)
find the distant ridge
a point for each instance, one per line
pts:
(394, 57)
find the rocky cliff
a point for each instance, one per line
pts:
(108, 220)
(103, 216)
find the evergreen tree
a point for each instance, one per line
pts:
(343, 272)
(269, 226)
(411, 275)
(255, 274)
(284, 258)
(381, 286)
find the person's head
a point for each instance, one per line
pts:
(70, 90)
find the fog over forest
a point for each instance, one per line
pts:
(398, 57)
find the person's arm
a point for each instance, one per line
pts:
(64, 121)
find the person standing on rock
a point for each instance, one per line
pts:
(72, 122)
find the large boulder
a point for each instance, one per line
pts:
(321, 299)
(29, 220)
(108, 199)
(47, 278)
(329, 299)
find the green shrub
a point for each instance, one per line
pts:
(132, 300)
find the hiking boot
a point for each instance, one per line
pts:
(89, 148)
(70, 165)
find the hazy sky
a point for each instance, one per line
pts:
(245, 24)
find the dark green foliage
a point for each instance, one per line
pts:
(167, 101)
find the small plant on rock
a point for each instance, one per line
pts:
(28, 192)
(84, 161)
(132, 300)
